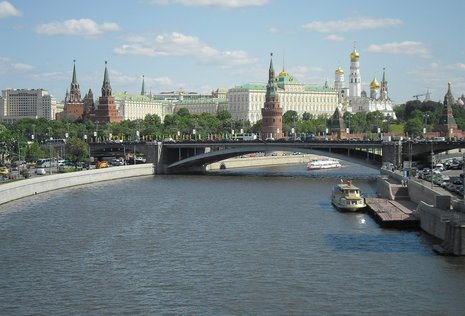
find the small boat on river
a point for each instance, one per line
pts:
(347, 197)
(318, 164)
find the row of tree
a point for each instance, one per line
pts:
(25, 138)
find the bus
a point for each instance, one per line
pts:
(245, 137)
(55, 141)
(46, 163)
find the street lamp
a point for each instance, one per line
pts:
(193, 132)
(432, 163)
(426, 116)
(50, 147)
(33, 131)
(349, 117)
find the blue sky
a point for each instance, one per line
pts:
(201, 45)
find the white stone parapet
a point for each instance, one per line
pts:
(40, 184)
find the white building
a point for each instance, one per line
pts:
(203, 105)
(245, 102)
(27, 103)
(136, 106)
(354, 100)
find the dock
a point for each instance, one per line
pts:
(393, 214)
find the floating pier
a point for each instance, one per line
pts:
(393, 214)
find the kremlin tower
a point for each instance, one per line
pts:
(106, 111)
(272, 113)
(74, 107)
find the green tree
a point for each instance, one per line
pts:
(307, 116)
(77, 150)
(414, 127)
(34, 152)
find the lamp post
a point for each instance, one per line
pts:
(350, 117)
(432, 163)
(50, 147)
(33, 131)
(425, 116)
(19, 150)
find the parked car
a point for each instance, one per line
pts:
(40, 171)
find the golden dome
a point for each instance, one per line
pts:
(354, 56)
(339, 71)
(374, 84)
(283, 74)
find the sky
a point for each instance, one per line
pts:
(202, 45)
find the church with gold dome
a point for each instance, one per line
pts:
(353, 99)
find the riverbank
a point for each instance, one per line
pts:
(22, 188)
(441, 214)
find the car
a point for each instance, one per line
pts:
(40, 171)
(117, 162)
(102, 164)
(169, 140)
(4, 171)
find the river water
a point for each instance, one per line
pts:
(254, 241)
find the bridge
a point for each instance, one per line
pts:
(193, 156)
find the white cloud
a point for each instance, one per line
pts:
(7, 10)
(351, 24)
(213, 3)
(457, 66)
(178, 44)
(9, 66)
(273, 30)
(81, 27)
(334, 37)
(410, 48)
(435, 76)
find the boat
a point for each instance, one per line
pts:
(347, 197)
(317, 164)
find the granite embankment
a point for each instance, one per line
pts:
(441, 214)
(22, 188)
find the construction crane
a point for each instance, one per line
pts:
(419, 95)
(427, 95)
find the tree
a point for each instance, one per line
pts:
(307, 116)
(223, 115)
(76, 150)
(34, 152)
(414, 127)
(183, 112)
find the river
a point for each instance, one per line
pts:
(252, 241)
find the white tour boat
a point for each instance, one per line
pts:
(318, 164)
(347, 197)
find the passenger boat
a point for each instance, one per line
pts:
(347, 197)
(318, 164)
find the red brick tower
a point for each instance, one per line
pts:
(106, 111)
(74, 107)
(272, 113)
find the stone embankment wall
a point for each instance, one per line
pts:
(437, 218)
(22, 188)
(261, 161)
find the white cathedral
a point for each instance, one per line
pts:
(353, 99)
